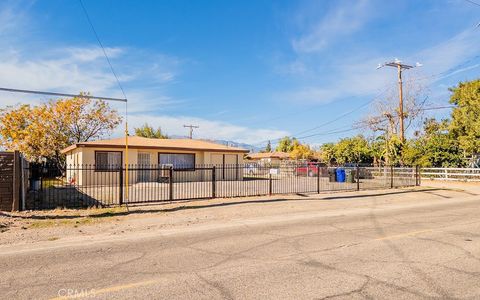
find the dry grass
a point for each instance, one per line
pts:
(76, 218)
(3, 227)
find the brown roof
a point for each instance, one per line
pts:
(279, 155)
(146, 143)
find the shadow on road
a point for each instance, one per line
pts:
(147, 208)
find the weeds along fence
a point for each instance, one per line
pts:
(99, 186)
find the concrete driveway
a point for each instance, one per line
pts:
(395, 244)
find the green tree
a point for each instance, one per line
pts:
(353, 150)
(43, 131)
(268, 148)
(327, 153)
(465, 123)
(301, 151)
(393, 150)
(285, 144)
(437, 147)
(378, 150)
(148, 131)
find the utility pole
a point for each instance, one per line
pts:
(191, 129)
(400, 67)
(11, 90)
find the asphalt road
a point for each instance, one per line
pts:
(426, 250)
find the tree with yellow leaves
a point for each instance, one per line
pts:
(300, 151)
(43, 131)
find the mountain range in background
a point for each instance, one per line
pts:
(252, 148)
(238, 145)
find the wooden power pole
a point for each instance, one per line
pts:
(400, 67)
(191, 129)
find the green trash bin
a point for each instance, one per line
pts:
(350, 174)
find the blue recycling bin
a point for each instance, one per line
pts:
(340, 175)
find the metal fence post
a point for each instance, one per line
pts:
(214, 184)
(417, 175)
(270, 184)
(120, 194)
(391, 176)
(318, 179)
(357, 177)
(170, 183)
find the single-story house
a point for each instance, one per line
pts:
(186, 156)
(272, 158)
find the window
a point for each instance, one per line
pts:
(177, 160)
(108, 160)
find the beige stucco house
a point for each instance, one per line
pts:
(148, 159)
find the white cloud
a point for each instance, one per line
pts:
(350, 79)
(64, 73)
(450, 53)
(12, 16)
(341, 21)
(68, 68)
(310, 94)
(173, 125)
(91, 54)
(145, 76)
(356, 76)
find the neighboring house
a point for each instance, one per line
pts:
(272, 158)
(184, 155)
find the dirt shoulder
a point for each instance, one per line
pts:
(30, 227)
(467, 186)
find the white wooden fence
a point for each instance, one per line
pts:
(458, 174)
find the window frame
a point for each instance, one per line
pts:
(99, 169)
(180, 169)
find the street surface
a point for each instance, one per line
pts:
(389, 244)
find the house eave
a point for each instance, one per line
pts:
(73, 147)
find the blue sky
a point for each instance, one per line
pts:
(246, 71)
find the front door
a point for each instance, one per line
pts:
(230, 167)
(218, 162)
(143, 161)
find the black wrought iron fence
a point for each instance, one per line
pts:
(90, 185)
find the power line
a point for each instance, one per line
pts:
(473, 2)
(344, 114)
(340, 130)
(333, 120)
(60, 94)
(445, 73)
(123, 92)
(103, 48)
(334, 131)
(438, 107)
(448, 72)
(326, 133)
